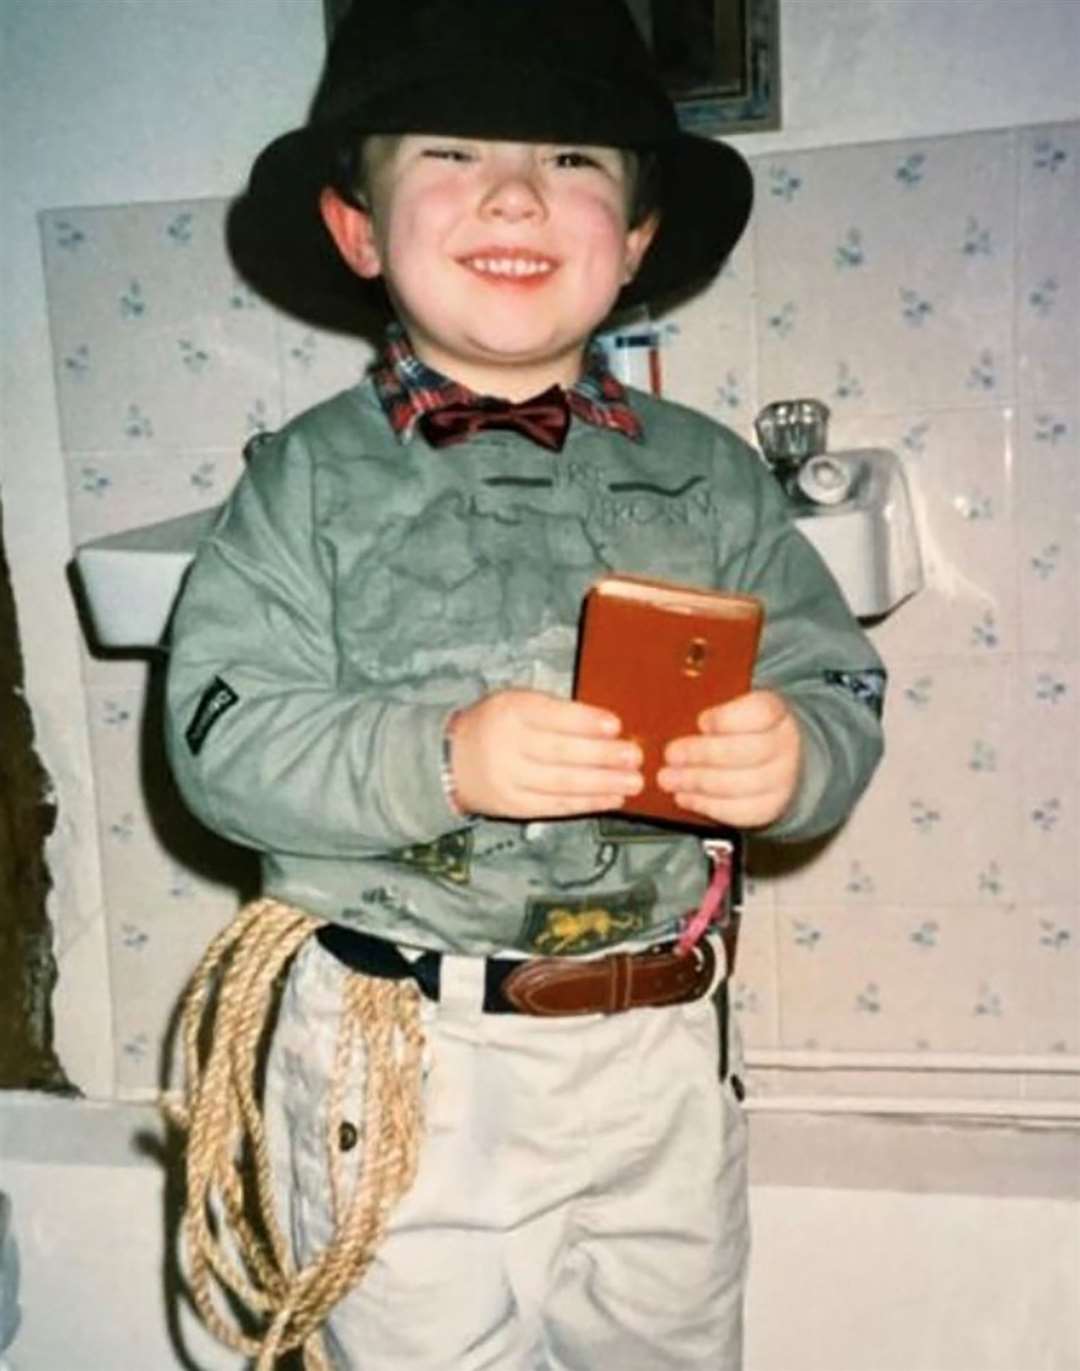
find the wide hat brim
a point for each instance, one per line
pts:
(573, 71)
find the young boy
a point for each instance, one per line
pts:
(370, 679)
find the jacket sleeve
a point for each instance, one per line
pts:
(813, 651)
(266, 746)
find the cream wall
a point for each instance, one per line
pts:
(856, 71)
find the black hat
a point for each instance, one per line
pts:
(573, 71)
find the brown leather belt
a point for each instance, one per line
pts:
(545, 986)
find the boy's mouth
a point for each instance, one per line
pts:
(514, 264)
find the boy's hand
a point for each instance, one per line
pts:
(743, 767)
(522, 754)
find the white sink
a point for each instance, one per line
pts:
(868, 541)
(131, 579)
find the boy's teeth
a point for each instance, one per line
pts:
(509, 266)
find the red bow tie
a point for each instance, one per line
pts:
(544, 419)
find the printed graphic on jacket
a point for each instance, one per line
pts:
(868, 687)
(556, 926)
(489, 582)
(448, 858)
(452, 587)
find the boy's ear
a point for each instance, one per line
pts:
(638, 239)
(352, 230)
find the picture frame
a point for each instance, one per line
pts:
(720, 59)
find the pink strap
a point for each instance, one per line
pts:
(711, 909)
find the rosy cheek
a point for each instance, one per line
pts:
(611, 220)
(605, 242)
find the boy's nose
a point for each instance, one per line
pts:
(513, 194)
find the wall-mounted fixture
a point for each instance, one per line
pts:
(131, 580)
(854, 506)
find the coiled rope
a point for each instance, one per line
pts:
(233, 1241)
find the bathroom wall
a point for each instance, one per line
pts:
(887, 276)
(927, 289)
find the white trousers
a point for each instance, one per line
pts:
(581, 1198)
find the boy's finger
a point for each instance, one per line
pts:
(721, 750)
(756, 712)
(582, 781)
(567, 749)
(740, 783)
(555, 715)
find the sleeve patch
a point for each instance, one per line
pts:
(217, 698)
(868, 687)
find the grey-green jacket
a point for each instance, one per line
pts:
(357, 588)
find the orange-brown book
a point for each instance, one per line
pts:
(657, 653)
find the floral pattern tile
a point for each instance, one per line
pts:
(1048, 779)
(885, 273)
(104, 487)
(156, 344)
(707, 357)
(1047, 288)
(170, 886)
(315, 365)
(959, 466)
(893, 980)
(1050, 980)
(929, 293)
(1047, 500)
(938, 825)
(754, 998)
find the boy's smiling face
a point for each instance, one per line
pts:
(500, 258)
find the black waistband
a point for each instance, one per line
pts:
(377, 957)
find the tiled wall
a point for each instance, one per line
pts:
(929, 293)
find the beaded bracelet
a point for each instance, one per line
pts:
(446, 768)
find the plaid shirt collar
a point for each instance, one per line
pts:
(408, 388)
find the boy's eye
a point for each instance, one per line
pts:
(448, 154)
(574, 157)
